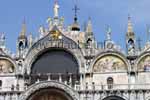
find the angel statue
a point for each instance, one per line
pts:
(61, 20)
(2, 36)
(42, 31)
(50, 22)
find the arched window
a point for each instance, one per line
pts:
(110, 82)
(21, 45)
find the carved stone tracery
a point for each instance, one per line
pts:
(48, 85)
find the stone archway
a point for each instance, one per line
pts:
(55, 60)
(113, 98)
(50, 94)
(49, 90)
(47, 43)
(55, 63)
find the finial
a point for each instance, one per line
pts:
(129, 17)
(130, 28)
(75, 26)
(24, 24)
(108, 32)
(148, 33)
(56, 9)
(75, 12)
(23, 30)
(89, 20)
(2, 36)
(139, 43)
(24, 27)
(89, 25)
(30, 39)
(2, 40)
(42, 31)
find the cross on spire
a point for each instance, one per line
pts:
(75, 11)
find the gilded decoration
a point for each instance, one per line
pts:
(55, 34)
(109, 63)
(144, 64)
(6, 66)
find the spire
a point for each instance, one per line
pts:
(23, 30)
(130, 34)
(130, 27)
(56, 9)
(139, 43)
(89, 26)
(148, 34)
(30, 39)
(130, 39)
(2, 40)
(89, 33)
(22, 43)
(42, 31)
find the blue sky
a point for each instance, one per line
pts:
(102, 13)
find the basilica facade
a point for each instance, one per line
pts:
(67, 63)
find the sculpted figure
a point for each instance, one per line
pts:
(56, 9)
(42, 31)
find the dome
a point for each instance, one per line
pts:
(75, 27)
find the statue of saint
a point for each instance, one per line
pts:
(50, 22)
(56, 9)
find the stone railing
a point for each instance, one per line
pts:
(68, 78)
(12, 89)
(76, 81)
(77, 86)
(93, 87)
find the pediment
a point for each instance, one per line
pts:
(55, 38)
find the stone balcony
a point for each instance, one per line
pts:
(77, 82)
